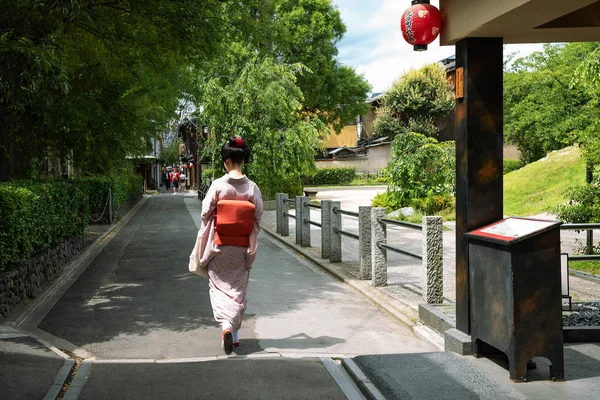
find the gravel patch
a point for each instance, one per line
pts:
(586, 314)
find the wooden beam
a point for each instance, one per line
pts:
(479, 196)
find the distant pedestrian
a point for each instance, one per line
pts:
(166, 178)
(227, 241)
(175, 180)
(182, 181)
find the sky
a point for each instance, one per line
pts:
(374, 46)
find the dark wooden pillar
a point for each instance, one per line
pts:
(479, 197)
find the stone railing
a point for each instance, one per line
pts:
(372, 239)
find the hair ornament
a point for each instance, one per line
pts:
(239, 142)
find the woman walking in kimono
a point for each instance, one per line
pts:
(226, 254)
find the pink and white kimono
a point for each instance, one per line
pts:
(227, 267)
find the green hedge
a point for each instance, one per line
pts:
(512, 165)
(124, 188)
(39, 215)
(330, 176)
(35, 216)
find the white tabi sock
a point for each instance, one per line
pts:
(226, 325)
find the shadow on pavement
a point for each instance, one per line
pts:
(137, 299)
(301, 341)
(582, 361)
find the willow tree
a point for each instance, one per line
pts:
(258, 98)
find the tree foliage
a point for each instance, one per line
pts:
(283, 92)
(307, 32)
(420, 167)
(545, 109)
(583, 206)
(258, 98)
(100, 78)
(415, 102)
(577, 68)
(587, 76)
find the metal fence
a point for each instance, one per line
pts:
(371, 237)
(590, 237)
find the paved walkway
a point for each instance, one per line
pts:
(131, 309)
(404, 273)
(128, 321)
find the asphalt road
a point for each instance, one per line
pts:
(146, 323)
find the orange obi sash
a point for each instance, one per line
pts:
(234, 222)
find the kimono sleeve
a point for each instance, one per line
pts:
(204, 249)
(209, 203)
(258, 211)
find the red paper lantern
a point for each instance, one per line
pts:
(421, 24)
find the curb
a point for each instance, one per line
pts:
(53, 293)
(400, 311)
(59, 380)
(584, 275)
(368, 389)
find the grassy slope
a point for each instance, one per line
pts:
(539, 186)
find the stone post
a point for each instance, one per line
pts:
(278, 212)
(299, 210)
(378, 254)
(335, 249)
(285, 220)
(433, 265)
(325, 228)
(305, 240)
(364, 242)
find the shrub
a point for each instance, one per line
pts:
(433, 204)
(35, 216)
(39, 215)
(383, 200)
(420, 165)
(414, 102)
(125, 187)
(512, 165)
(209, 173)
(584, 206)
(330, 176)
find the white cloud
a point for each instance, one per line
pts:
(373, 43)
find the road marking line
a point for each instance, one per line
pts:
(257, 356)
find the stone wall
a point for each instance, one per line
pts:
(21, 283)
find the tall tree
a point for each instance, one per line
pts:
(307, 32)
(415, 102)
(542, 106)
(587, 76)
(101, 78)
(283, 89)
(258, 98)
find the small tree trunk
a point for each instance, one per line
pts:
(589, 177)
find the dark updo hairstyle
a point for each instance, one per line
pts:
(237, 149)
